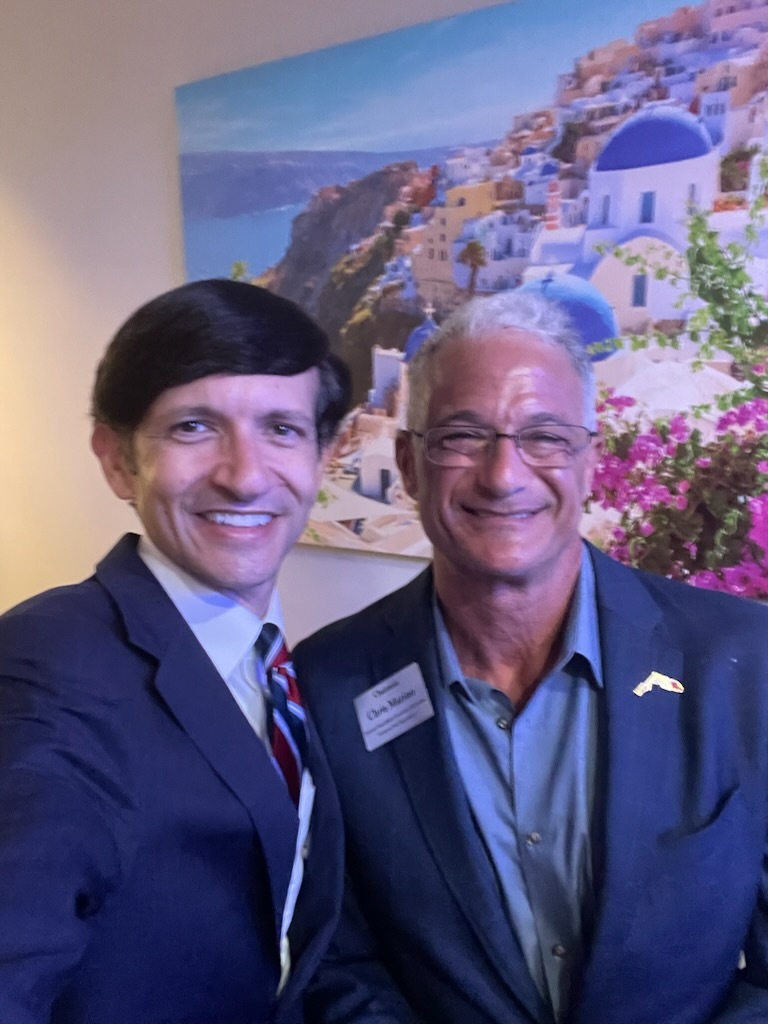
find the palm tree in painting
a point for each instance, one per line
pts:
(472, 256)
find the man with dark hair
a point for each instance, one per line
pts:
(553, 769)
(169, 841)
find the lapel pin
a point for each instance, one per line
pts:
(662, 681)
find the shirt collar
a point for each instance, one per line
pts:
(582, 630)
(225, 629)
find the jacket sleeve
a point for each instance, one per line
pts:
(61, 808)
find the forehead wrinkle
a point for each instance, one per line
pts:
(461, 416)
(189, 411)
(534, 382)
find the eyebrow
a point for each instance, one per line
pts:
(473, 417)
(190, 412)
(461, 416)
(193, 412)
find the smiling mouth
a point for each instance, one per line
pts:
(242, 519)
(522, 514)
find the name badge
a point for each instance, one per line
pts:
(393, 706)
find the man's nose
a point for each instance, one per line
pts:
(242, 467)
(503, 469)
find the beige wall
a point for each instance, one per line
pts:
(90, 227)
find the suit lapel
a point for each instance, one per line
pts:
(424, 758)
(200, 702)
(635, 739)
(202, 705)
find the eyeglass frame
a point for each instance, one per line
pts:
(494, 436)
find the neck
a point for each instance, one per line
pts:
(507, 631)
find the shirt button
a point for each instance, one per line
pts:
(558, 950)
(533, 838)
(503, 723)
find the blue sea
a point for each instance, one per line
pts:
(212, 245)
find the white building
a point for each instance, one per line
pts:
(653, 171)
(535, 172)
(655, 167)
(471, 164)
(398, 273)
(506, 237)
(377, 468)
(385, 374)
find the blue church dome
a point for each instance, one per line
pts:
(655, 135)
(418, 336)
(590, 312)
(530, 150)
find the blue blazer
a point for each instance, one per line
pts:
(679, 840)
(146, 841)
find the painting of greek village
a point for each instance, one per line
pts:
(613, 157)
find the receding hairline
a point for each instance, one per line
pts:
(427, 359)
(491, 331)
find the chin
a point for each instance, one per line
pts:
(493, 570)
(513, 574)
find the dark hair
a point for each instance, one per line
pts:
(211, 327)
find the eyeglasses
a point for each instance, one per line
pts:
(550, 445)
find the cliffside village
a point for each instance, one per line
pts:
(632, 143)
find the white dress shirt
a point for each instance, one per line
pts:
(225, 629)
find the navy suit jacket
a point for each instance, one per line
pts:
(679, 837)
(146, 841)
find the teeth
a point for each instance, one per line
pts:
(239, 518)
(504, 515)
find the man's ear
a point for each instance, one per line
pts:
(326, 451)
(406, 462)
(114, 453)
(593, 456)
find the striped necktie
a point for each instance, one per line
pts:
(286, 719)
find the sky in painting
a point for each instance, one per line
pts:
(457, 80)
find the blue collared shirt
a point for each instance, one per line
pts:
(530, 782)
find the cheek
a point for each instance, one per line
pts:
(303, 477)
(439, 495)
(570, 486)
(160, 484)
